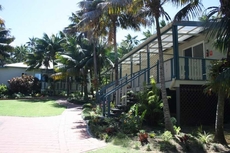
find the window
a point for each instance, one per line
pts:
(38, 75)
(195, 51)
(188, 52)
(198, 51)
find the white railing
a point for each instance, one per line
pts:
(194, 68)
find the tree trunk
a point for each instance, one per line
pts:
(219, 125)
(67, 84)
(82, 87)
(228, 54)
(167, 117)
(95, 66)
(91, 88)
(85, 85)
(115, 51)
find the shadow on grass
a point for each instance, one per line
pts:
(35, 100)
(42, 100)
(58, 105)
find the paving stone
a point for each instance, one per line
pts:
(65, 133)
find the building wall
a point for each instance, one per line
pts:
(7, 73)
(207, 46)
(195, 65)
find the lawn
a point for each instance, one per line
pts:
(30, 108)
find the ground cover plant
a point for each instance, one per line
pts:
(115, 132)
(30, 108)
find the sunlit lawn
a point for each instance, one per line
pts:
(110, 148)
(30, 108)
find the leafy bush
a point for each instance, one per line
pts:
(63, 93)
(86, 115)
(87, 105)
(3, 89)
(25, 84)
(205, 137)
(177, 129)
(166, 136)
(131, 122)
(149, 100)
(77, 95)
(18, 95)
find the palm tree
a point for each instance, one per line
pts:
(76, 60)
(110, 14)
(5, 47)
(19, 54)
(71, 29)
(154, 8)
(218, 28)
(2, 23)
(46, 49)
(5, 40)
(31, 44)
(219, 84)
(89, 7)
(147, 34)
(127, 45)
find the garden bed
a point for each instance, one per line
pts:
(124, 135)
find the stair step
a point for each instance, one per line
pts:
(132, 99)
(121, 106)
(116, 110)
(131, 103)
(113, 114)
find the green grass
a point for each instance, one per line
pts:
(30, 108)
(110, 148)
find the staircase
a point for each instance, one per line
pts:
(121, 94)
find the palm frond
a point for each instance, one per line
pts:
(191, 10)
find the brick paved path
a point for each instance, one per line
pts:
(57, 134)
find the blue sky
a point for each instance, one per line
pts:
(32, 18)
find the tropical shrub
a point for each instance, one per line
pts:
(3, 89)
(143, 137)
(149, 100)
(205, 137)
(131, 122)
(87, 105)
(166, 136)
(25, 84)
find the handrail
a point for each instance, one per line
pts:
(112, 83)
(121, 79)
(200, 58)
(124, 83)
(136, 75)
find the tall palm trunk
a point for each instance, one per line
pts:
(115, 51)
(95, 66)
(85, 84)
(219, 125)
(228, 54)
(167, 117)
(91, 88)
(68, 86)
